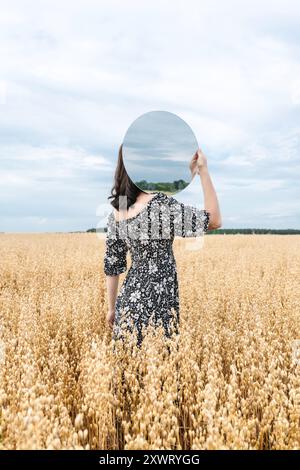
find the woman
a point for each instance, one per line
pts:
(145, 224)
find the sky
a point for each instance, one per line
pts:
(75, 75)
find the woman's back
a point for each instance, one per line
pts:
(150, 289)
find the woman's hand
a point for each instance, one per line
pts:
(110, 318)
(198, 162)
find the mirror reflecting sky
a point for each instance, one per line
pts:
(157, 149)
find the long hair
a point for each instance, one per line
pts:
(123, 185)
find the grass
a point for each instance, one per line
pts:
(229, 382)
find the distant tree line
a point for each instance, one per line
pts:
(167, 186)
(257, 231)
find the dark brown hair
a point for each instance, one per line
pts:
(123, 185)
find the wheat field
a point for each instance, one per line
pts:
(230, 380)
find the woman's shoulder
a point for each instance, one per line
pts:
(165, 202)
(166, 199)
(163, 197)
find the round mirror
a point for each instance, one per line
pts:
(157, 150)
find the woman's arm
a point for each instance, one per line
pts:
(112, 291)
(115, 263)
(198, 166)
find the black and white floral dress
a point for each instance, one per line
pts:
(150, 291)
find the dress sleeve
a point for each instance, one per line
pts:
(186, 220)
(115, 250)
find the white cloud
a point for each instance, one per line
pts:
(74, 75)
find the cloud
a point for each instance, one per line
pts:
(25, 164)
(74, 76)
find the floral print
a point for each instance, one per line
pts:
(150, 290)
